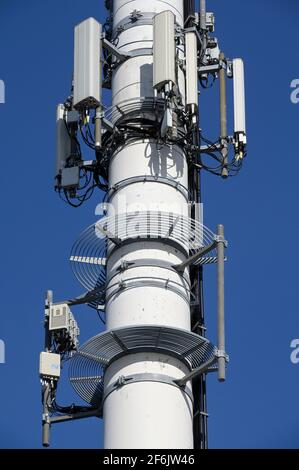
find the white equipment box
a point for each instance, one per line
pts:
(49, 365)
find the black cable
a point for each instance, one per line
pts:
(73, 138)
(207, 84)
(84, 137)
(73, 409)
(87, 179)
(81, 199)
(100, 317)
(90, 134)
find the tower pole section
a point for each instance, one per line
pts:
(146, 414)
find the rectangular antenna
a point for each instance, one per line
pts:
(164, 49)
(191, 69)
(63, 141)
(203, 15)
(87, 66)
(239, 96)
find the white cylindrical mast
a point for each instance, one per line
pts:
(146, 413)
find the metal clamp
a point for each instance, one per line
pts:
(220, 239)
(138, 378)
(220, 353)
(46, 418)
(121, 381)
(149, 281)
(124, 265)
(136, 18)
(148, 179)
(142, 263)
(135, 15)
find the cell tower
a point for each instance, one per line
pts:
(141, 264)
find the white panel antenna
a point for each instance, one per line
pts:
(87, 69)
(191, 69)
(239, 96)
(164, 49)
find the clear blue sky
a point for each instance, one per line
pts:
(258, 405)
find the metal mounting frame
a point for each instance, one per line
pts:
(146, 19)
(150, 281)
(127, 265)
(148, 179)
(123, 56)
(138, 378)
(143, 106)
(196, 258)
(97, 413)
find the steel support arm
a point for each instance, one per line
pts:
(114, 51)
(196, 372)
(192, 260)
(75, 416)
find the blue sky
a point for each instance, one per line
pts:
(258, 405)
